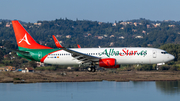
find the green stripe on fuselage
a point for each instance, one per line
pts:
(35, 54)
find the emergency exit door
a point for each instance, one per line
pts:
(154, 53)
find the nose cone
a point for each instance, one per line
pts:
(171, 57)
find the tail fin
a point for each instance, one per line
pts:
(24, 39)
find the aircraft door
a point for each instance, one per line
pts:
(154, 53)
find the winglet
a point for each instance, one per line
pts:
(58, 45)
(78, 46)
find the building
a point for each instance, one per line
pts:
(7, 68)
(68, 36)
(114, 24)
(105, 35)
(99, 23)
(149, 45)
(144, 32)
(148, 26)
(8, 25)
(125, 23)
(140, 23)
(171, 25)
(100, 37)
(39, 64)
(3, 69)
(39, 24)
(60, 41)
(135, 23)
(89, 34)
(11, 68)
(134, 30)
(157, 24)
(23, 71)
(70, 68)
(121, 37)
(28, 69)
(58, 35)
(139, 37)
(111, 44)
(111, 36)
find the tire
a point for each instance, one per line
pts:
(89, 69)
(93, 69)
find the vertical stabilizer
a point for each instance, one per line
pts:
(24, 39)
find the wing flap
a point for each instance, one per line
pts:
(81, 56)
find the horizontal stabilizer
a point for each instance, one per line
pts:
(18, 51)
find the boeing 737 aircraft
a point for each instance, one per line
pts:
(103, 57)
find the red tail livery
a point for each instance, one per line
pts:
(24, 39)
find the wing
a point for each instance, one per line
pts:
(81, 56)
(18, 51)
(77, 55)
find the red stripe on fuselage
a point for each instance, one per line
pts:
(43, 58)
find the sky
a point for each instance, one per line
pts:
(94, 10)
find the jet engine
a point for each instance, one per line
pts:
(107, 62)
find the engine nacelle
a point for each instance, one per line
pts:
(107, 62)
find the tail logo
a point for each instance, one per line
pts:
(25, 39)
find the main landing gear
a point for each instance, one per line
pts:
(91, 69)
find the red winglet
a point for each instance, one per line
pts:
(78, 46)
(58, 45)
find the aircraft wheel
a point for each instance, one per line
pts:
(93, 69)
(89, 69)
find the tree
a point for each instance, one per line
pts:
(1, 55)
(32, 64)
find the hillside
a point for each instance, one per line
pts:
(139, 32)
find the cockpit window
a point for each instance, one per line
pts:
(164, 52)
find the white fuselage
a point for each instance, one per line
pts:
(125, 55)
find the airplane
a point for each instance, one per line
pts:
(111, 57)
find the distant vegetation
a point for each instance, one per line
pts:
(132, 33)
